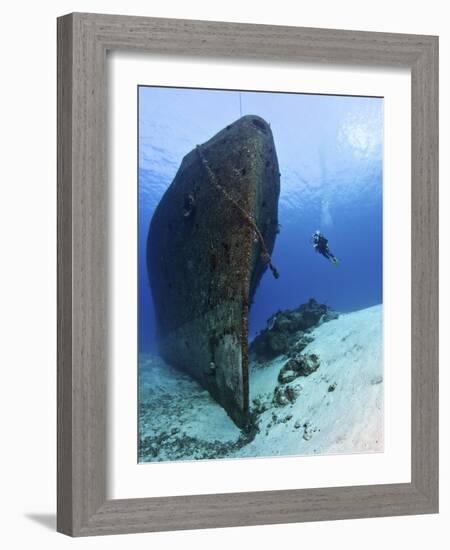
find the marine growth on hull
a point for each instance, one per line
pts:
(210, 241)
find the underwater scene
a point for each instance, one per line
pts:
(260, 249)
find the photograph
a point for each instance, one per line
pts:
(221, 275)
(260, 274)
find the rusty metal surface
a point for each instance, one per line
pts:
(205, 258)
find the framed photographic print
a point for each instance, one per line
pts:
(247, 274)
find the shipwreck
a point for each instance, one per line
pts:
(210, 241)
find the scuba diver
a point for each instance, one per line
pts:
(320, 244)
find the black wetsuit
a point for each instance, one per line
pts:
(321, 246)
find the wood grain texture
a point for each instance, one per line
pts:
(83, 40)
(425, 250)
(64, 266)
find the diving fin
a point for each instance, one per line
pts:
(334, 261)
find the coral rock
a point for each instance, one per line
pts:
(285, 332)
(301, 365)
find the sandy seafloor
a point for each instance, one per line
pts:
(338, 409)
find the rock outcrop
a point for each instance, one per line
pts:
(301, 365)
(286, 332)
(209, 243)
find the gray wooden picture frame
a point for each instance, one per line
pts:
(83, 41)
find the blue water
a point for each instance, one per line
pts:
(330, 155)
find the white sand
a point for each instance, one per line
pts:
(339, 408)
(177, 415)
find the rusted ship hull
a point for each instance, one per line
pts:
(209, 242)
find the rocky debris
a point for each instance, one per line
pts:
(332, 387)
(285, 332)
(300, 345)
(376, 380)
(279, 397)
(275, 420)
(309, 430)
(301, 365)
(162, 446)
(259, 405)
(292, 392)
(286, 394)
